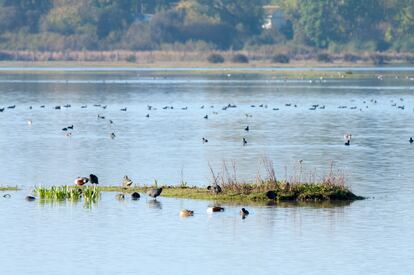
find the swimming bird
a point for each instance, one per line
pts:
(120, 197)
(30, 198)
(213, 209)
(29, 122)
(186, 213)
(205, 140)
(147, 115)
(347, 138)
(135, 196)
(244, 141)
(64, 129)
(215, 188)
(57, 107)
(11, 107)
(42, 106)
(247, 128)
(206, 116)
(411, 140)
(1, 110)
(79, 181)
(244, 213)
(6, 196)
(111, 122)
(93, 179)
(84, 106)
(124, 109)
(154, 193)
(70, 127)
(101, 117)
(112, 135)
(126, 182)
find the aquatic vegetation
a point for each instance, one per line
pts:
(90, 194)
(9, 188)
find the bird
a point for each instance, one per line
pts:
(112, 135)
(271, 195)
(64, 129)
(186, 213)
(30, 198)
(244, 141)
(6, 196)
(120, 197)
(135, 196)
(247, 128)
(244, 213)
(205, 140)
(206, 116)
(70, 127)
(57, 107)
(1, 110)
(154, 193)
(215, 188)
(29, 122)
(213, 209)
(124, 109)
(110, 121)
(126, 182)
(147, 115)
(79, 181)
(347, 138)
(93, 179)
(411, 140)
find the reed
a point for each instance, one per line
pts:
(90, 194)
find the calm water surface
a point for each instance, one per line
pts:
(373, 236)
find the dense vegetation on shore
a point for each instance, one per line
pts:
(348, 26)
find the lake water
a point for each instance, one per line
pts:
(373, 236)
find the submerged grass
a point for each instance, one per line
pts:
(9, 188)
(90, 194)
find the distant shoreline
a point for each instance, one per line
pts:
(294, 69)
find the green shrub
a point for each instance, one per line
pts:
(240, 58)
(281, 58)
(131, 58)
(324, 57)
(215, 58)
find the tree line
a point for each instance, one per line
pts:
(334, 25)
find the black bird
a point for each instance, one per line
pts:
(411, 140)
(42, 106)
(244, 141)
(205, 140)
(271, 195)
(30, 198)
(123, 109)
(57, 107)
(154, 193)
(64, 129)
(7, 196)
(110, 121)
(2, 110)
(70, 127)
(348, 142)
(135, 196)
(147, 115)
(93, 179)
(84, 106)
(215, 188)
(12, 107)
(247, 128)
(102, 117)
(206, 116)
(244, 213)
